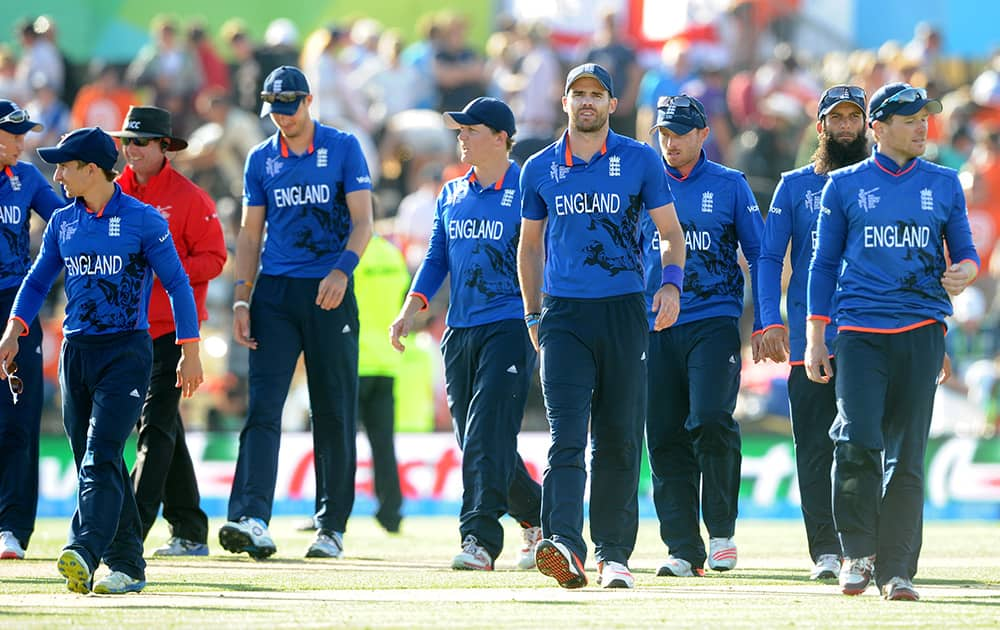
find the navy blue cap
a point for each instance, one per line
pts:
(484, 110)
(10, 108)
(680, 114)
(840, 94)
(594, 71)
(289, 83)
(90, 145)
(902, 99)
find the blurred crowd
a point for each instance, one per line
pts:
(760, 94)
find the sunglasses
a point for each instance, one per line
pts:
(282, 97)
(16, 117)
(909, 95)
(681, 102)
(840, 92)
(139, 142)
(14, 383)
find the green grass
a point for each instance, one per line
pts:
(403, 581)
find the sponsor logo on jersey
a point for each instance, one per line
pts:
(115, 226)
(707, 201)
(67, 230)
(508, 197)
(927, 200)
(272, 166)
(558, 171)
(614, 166)
(867, 199)
(321, 158)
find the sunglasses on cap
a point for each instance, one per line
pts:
(680, 102)
(16, 117)
(139, 142)
(839, 92)
(282, 97)
(909, 95)
(14, 383)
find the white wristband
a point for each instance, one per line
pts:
(241, 304)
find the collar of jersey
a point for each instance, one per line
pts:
(498, 185)
(283, 146)
(887, 164)
(567, 151)
(693, 174)
(115, 197)
(9, 172)
(161, 177)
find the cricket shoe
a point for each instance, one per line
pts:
(249, 535)
(679, 567)
(721, 554)
(899, 589)
(182, 547)
(827, 567)
(118, 583)
(526, 557)
(10, 547)
(856, 574)
(614, 575)
(473, 557)
(555, 560)
(326, 545)
(74, 568)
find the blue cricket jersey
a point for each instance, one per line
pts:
(793, 216)
(305, 199)
(718, 214)
(22, 189)
(474, 238)
(881, 243)
(592, 241)
(109, 258)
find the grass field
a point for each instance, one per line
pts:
(404, 581)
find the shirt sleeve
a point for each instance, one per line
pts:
(957, 232)
(655, 187)
(206, 245)
(749, 227)
(45, 200)
(253, 189)
(532, 204)
(831, 237)
(42, 274)
(158, 246)
(773, 245)
(433, 270)
(355, 173)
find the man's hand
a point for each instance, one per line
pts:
(9, 344)
(774, 344)
(945, 372)
(189, 373)
(817, 363)
(400, 328)
(331, 290)
(241, 328)
(666, 305)
(957, 277)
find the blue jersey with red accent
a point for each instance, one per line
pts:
(718, 214)
(474, 238)
(793, 216)
(881, 243)
(109, 258)
(592, 241)
(305, 199)
(22, 189)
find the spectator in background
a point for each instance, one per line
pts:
(415, 216)
(9, 85)
(390, 85)
(533, 89)
(169, 68)
(609, 50)
(459, 73)
(48, 109)
(244, 69)
(280, 47)
(666, 79)
(420, 56)
(104, 101)
(214, 72)
(39, 56)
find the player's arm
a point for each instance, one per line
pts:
(773, 247)
(334, 285)
(206, 245)
(248, 243)
(530, 267)
(428, 279)
(831, 237)
(667, 299)
(958, 236)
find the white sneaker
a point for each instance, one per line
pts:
(679, 567)
(899, 589)
(473, 557)
(555, 560)
(614, 575)
(856, 574)
(326, 545)
(182, 547)
(249, 535)
(721, 554)
(11, 549)
(526, 557)
(74, 568)
(827, 567)
(118, 583)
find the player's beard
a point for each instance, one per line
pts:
(832, 154)
(598, 123)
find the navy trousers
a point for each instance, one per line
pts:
(286, 322)
(164, 472)
(104, 380)
(593, 366)
(813, 407)
(488, 370)
(19, 426)
(694, 443)
(885, 397)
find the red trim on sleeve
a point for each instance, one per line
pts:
(821, 318)
(767, 328)
(23, 323)
(181, 342)
(423, 298)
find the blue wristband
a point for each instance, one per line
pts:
(673, 274)
(347, 262)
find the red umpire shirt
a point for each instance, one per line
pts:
(196, 232)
